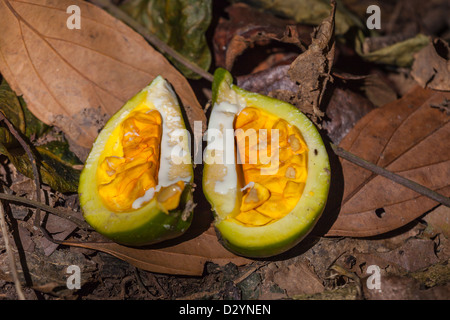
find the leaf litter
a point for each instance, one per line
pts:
(413, 255)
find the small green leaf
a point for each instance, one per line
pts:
(53, 171)
(54, 159)
(15, 109)
(181, 24)
(60, 151)
(400, 54)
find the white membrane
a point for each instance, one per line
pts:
(163, 98)
(250, 185)
(220, 138)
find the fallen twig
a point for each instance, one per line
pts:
(391, 176)
(66, 214)
(12, 262)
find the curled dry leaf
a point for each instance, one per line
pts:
(268, 80)
(311, 69)
(76, 78)
(407, 137)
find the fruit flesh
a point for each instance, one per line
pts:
(132, 168)
(276, 185)
(127, 176)
(150, 214)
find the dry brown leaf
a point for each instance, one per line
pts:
(311, 69)
(407, 137)
(75, 79)
(344, 110)
(296, 278)
(431, 67)
(248, 27)
(268, 80)
(413, 255)
(184, 257)
(59, 228)
(438, 221)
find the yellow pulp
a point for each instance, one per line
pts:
(274, 187)
(130, 164)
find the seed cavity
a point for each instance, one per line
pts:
(128, 172)
(290, 173)
(169, 197)
(270, 196)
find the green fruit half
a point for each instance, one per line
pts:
(136, 185)
(232, 187)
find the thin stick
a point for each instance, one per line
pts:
(391, 176)
(16, 134)
(12, 262)
(160, 45)
(66, 214)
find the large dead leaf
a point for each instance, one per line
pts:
(408, 137)
(183, 257)
(76, 78)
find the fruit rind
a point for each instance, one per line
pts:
(281, 235)
(146, 225)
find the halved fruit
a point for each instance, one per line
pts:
(266, 171)
(136, 185)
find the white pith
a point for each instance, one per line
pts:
(163, 98)
(173, 151)
(222, 119)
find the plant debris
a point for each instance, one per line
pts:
(311, 70)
